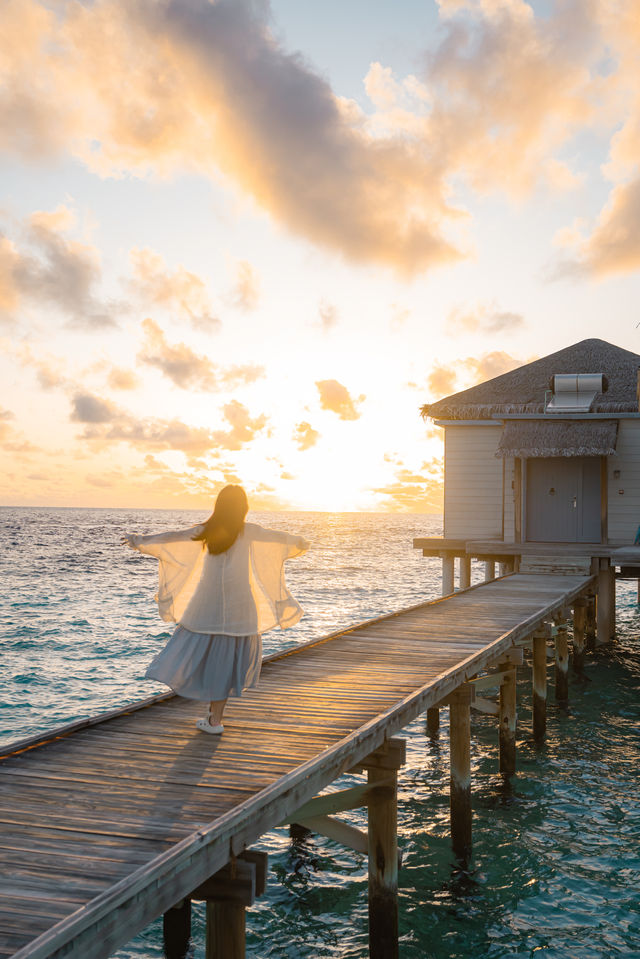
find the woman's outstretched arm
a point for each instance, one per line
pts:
(136, 541)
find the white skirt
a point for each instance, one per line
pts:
(205, 666)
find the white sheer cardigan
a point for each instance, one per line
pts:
(237, 593)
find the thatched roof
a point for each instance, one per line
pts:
(528, 438)
(523, 389)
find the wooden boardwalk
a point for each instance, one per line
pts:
(106, 824)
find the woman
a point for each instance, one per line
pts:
(223, 583)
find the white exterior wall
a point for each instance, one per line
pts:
(624, 508)
(509, 500)
(472, 482)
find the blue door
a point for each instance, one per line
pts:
(563, 499)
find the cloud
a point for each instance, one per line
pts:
(305, 436)
(10, 437)
(328, 314)
(51, 270)
(105, 422)
(414, 491)
(244, 427)
(441, 380)
(614, 244)
(87, 408)
(465, 372)
(212, 89)
(188, 370)
(246, 291)
(335, 397)
(121, 379)
(5, 423)
(483, 318)
(178, 291)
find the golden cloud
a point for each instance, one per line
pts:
(336, 397)
(104, 422)
(482, 318)
(246, 291)
(465, 372)
(415, 492)
(180, 291)
(305, 436)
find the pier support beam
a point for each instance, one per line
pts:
(447, 573)
(508, 718)
(460, 748)
(383, 856)
(579, 634)
(227, 894)
(465, 572)
(226, 931)
(605, 605)
(176, 930)
(433, 721)
(562, 664)
(489, 570)
(591, 622)
(540, 682)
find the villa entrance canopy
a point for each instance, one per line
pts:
(546, 438)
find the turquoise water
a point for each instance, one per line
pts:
(556, 863)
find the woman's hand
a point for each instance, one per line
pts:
(130, 540)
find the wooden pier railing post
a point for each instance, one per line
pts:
(465, 572)
(460, 783)
(507, 735)
(176, 930)
(383, 857)
(579, 633)
(540, 682)
(433, 721)
(562, 664)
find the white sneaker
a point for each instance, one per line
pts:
(205, 726)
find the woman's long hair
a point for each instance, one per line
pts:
(226, 522)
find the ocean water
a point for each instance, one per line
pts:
(556, 864)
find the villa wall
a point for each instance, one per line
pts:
(473, 482)
(624, 508)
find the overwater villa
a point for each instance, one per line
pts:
(542, 470)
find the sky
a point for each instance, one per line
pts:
(244, 241)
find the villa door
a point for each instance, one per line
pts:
(563, 499)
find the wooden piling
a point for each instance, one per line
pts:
(507, 736)
(540, 682)
(562, 664)
(226, 931)
(176, 930)
(447, 574)
(579, 634)
(460, 782)
(489, 570)
(383, 866)
(465, 572)
(606, 587)
(433, 721)
(590, 630)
